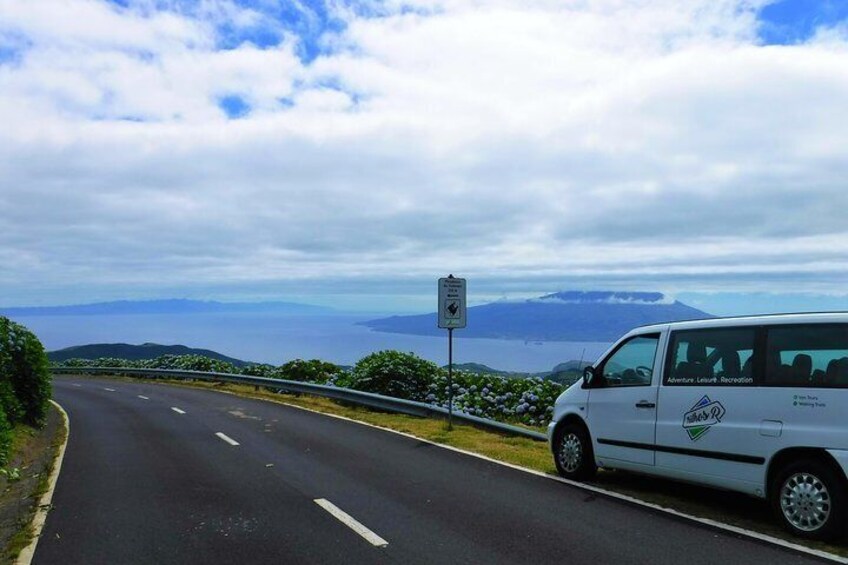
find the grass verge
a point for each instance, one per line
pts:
(34, 454)
(725, 507)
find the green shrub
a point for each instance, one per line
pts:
(313, 371)
(259, 370)
(24, 381)
(190, 363)
(101, 362)
(9, 404)
(31, 379)
(24, 375)
(392, 373)
(5, 439)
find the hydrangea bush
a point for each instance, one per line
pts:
(25, 388)
(401, 375)
(312, 371)
(527, 401)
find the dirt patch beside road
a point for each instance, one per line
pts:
(31, 463)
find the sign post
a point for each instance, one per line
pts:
(452, 315)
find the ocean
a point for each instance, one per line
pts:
(277, 338)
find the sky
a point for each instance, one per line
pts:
(349, 153)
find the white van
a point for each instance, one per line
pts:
(757, 405)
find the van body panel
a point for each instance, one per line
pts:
(623, 418)
(615, 421)
(728, 444)
(841, 458)
(572, 402)
(716, 481)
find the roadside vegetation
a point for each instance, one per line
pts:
(27, 445)
(24, 384)
(32, 459)
(527, 401)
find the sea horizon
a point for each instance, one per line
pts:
(278, 338)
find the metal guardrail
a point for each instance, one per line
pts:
(369, 399)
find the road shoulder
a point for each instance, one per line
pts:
(25, 502)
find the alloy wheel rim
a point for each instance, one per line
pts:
(571, 452)
(805, 502)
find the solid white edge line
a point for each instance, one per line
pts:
(26, 555)
(608, 493)
(141, 396)
(177, 410)
(226, 438)
(351, 523)
(611, 494)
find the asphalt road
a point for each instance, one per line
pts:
(144, 483)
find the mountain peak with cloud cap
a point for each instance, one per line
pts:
(599, 316)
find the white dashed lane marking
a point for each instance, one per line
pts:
(177, 410)
(141, 396)
(109, 389)
(226, 438)
(351, 523)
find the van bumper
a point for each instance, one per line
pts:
(841, 457)
(550, 433)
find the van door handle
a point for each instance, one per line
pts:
(645, 404)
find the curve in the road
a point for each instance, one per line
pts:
(145, 483)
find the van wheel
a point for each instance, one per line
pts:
(573, 453)
(809, 498)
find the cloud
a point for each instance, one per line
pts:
(606, 297)
(503, 140)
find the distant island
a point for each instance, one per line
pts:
(170, 306)
(563, 316)
(131, 352)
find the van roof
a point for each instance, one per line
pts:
(754, 320)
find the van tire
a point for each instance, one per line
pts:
(573, 454)
(809, 499)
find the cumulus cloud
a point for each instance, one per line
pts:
(611, 140)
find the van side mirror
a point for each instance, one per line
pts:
(588, 376)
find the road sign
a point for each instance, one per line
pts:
(452, 303)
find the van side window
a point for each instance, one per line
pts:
(711, 357)
(812, 355)
(632, 364)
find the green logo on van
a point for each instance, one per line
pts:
(704, 415)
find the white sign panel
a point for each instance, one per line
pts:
(452, 303)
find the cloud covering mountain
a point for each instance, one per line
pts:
(599, 316)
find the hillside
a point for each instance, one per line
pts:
(134, 352)
(564, 316)
(477, 368)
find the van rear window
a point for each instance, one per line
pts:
(711, 357)
(812, 355)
